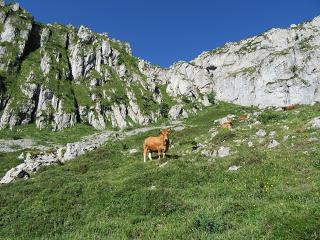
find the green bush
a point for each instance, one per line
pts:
(211, 97)
(209, 225)
(164, 110)
(267, 117)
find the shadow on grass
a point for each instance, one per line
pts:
(173, 156)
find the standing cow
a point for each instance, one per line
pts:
(159, 145)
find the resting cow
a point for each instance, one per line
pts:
(227, 125)
(289, 107)
(159, 145)
(243, 117)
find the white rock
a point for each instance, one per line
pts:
(179, 128)
(21, 156)
(225, 119)
(285, 127)
(15, 7)
(223, 151)
(163, 164)
(133, 151)
(175, 111)
(9, 32)
(313, 139)
(234, 168)
(272, 133)
(314, 123)
(273, 143)
(285, 138)
(261, 133)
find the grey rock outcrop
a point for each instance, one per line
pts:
(175, 111)
(276, 68)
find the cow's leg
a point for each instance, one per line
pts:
(163, 154)
(145, 151)
(150, 157)
(159, 154)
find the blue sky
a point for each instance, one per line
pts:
(166, 31)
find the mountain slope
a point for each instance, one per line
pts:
(110, 193)
(56, 76)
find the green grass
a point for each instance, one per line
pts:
(7, 161)
(43, 137)
(46, 136)
(110, 194)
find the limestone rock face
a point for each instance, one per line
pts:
(67, 75)
(8, 32)
(276, 68)
(175, 111)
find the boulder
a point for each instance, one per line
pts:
(233, 168)
(273, 143)
(226, 119)
(261, 133)
(133, 151)
(175, 112)
(314, 123)
(223, 151)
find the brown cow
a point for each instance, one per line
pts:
(156, 144)
(289, 107)
(243, 117)
(227, 125)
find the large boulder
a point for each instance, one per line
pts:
(314, 123)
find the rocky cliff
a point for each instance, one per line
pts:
(56, 76)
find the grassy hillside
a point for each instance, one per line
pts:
(44, 137)
(110, 194)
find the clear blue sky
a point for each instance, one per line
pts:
(165, 31)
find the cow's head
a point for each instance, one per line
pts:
(165, 133)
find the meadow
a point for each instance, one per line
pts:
(111, 194)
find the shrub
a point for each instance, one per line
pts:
(267, 117)
(211, 97)
(164, 110)
(208, 224)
